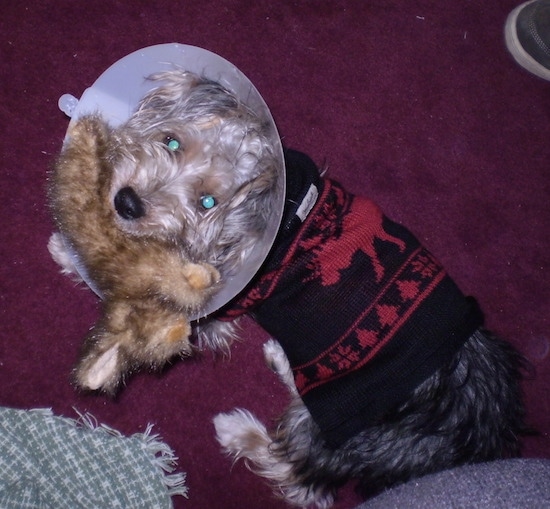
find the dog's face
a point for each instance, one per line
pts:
(194, 165)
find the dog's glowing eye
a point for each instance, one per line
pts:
(172, 143)
(208, 201)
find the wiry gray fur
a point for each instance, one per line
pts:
(469, 411)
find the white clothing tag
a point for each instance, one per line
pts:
(307, 203)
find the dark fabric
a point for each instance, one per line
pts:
(504, 484)
(416, 105)
(362, 310)
(533, 30)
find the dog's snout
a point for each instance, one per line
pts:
(128, 204)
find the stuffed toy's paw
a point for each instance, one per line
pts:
(201, 275)
(128, 336)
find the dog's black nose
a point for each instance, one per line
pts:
(128, 204)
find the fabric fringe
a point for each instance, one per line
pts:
(161, 455)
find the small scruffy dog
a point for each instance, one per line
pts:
(390, 371)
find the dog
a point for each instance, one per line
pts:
(390, 371)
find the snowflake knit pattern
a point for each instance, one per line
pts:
(362, 310)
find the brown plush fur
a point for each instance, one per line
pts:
(148, 284)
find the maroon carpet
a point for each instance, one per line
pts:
(416, 104)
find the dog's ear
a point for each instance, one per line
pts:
(256, 192)
(175, 87)
(243, 221)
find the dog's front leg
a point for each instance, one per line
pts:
(276, 359)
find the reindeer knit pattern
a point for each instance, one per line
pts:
(363, 312)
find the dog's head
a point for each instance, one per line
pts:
(194, 165)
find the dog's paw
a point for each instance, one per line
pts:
(275, 356)
(240, 433)
(276, 359)
(243, 436)
(201, 276)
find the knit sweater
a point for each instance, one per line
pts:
(363, 312)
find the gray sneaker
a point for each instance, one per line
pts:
(527, 33)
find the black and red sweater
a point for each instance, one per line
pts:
(363, 312)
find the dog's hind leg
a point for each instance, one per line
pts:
(243, 436)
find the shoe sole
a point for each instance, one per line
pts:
(516, 49)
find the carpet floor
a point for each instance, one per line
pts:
(415, 104)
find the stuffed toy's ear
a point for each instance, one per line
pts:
(79, 179)
(103, 363)
(104, 372)
(131, 335)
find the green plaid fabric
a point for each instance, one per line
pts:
(54, 462)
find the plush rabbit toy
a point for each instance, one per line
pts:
(148, 285)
